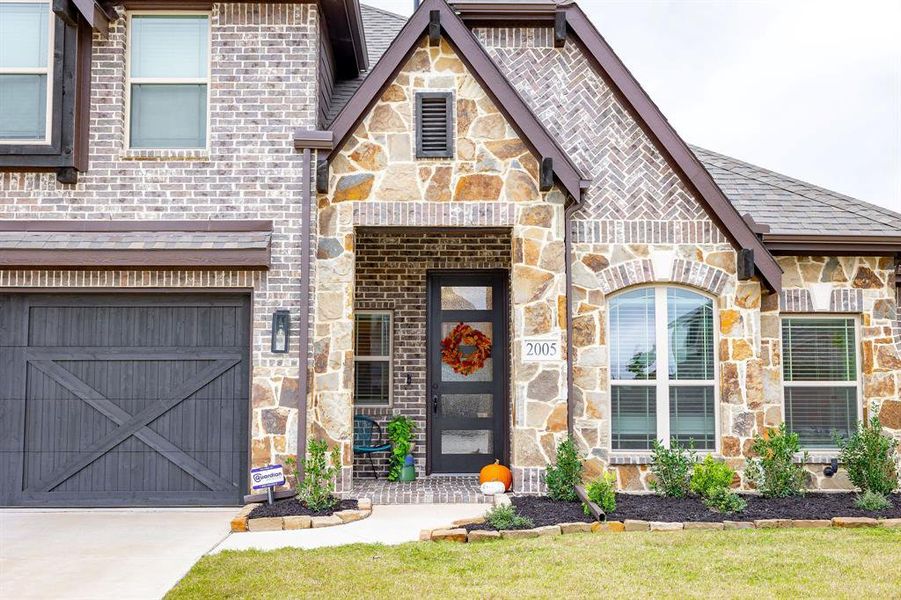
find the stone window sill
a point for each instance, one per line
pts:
(167, 155)
(630, 459)
(645, 459)
(817, 458)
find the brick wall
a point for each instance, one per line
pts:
(391, 275)
(263, 86)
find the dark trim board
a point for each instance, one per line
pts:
(162, 420)
(832, 245)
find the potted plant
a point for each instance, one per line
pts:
(400, 434)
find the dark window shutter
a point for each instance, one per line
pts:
(434, 125)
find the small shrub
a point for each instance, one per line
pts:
(602, 491)
(565, 473)
(317, 489)
(774, 470)
(400, 434)
(872, 501)
(710, 476)
(505, 516)
(671, 468)
(868, 455)
(725, 500)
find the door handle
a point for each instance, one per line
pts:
(435, 404)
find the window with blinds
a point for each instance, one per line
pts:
(372, 358)
(434, 125)
(662, 378)
(819, 358)
(169, 72)
(26, 65)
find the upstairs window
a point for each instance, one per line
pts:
(819, 360)
(168, 81)
(663, 384)
(26, 57)
(434, 125)
(372, 358)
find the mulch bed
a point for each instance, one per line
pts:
(544, 511)
(293, 507)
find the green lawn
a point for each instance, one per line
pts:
(788, 563)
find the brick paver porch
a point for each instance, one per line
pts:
(437, 489)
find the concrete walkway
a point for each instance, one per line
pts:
(388, 524)
(99, 554)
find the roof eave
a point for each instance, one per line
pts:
(344, 23)
(532, 11)
(832, 245)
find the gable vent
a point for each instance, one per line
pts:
(434, 125)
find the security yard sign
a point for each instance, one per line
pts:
(269, 476)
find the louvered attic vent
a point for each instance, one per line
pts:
(434, 125)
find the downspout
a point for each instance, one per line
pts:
(303, 385)
(567, 248)
(308, 142)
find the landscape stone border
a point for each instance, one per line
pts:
(456, 531)
(242, 522)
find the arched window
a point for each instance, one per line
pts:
(662, 371)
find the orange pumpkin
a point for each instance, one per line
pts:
(496, 472)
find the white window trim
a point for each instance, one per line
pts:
(663, 385)
(857, 384)
(48, 71)
(129, 80)
(389, 358)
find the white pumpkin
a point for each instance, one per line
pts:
(490, 488)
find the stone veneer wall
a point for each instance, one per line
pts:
(391, 275)
(862, 286)
(492, 181)
(264, 69)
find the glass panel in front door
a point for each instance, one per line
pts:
(467, 366)
(466, 351)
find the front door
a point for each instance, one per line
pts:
(467, 366)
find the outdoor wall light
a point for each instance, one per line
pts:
(281, 331)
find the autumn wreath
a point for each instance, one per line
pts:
(464, 335)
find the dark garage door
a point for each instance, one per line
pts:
(123, 400)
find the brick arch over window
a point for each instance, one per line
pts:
(688, 272)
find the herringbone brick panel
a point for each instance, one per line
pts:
(631, 179)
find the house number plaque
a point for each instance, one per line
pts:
(540, 349)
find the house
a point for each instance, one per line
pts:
(228, 227)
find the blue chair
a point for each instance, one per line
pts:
(367, 434)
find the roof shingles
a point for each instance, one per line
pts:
(791, 206)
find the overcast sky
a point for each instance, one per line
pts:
(808, 88)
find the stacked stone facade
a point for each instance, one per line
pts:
(856, 286)
(492, 180)
(263, 85)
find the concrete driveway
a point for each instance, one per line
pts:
(99, 554)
